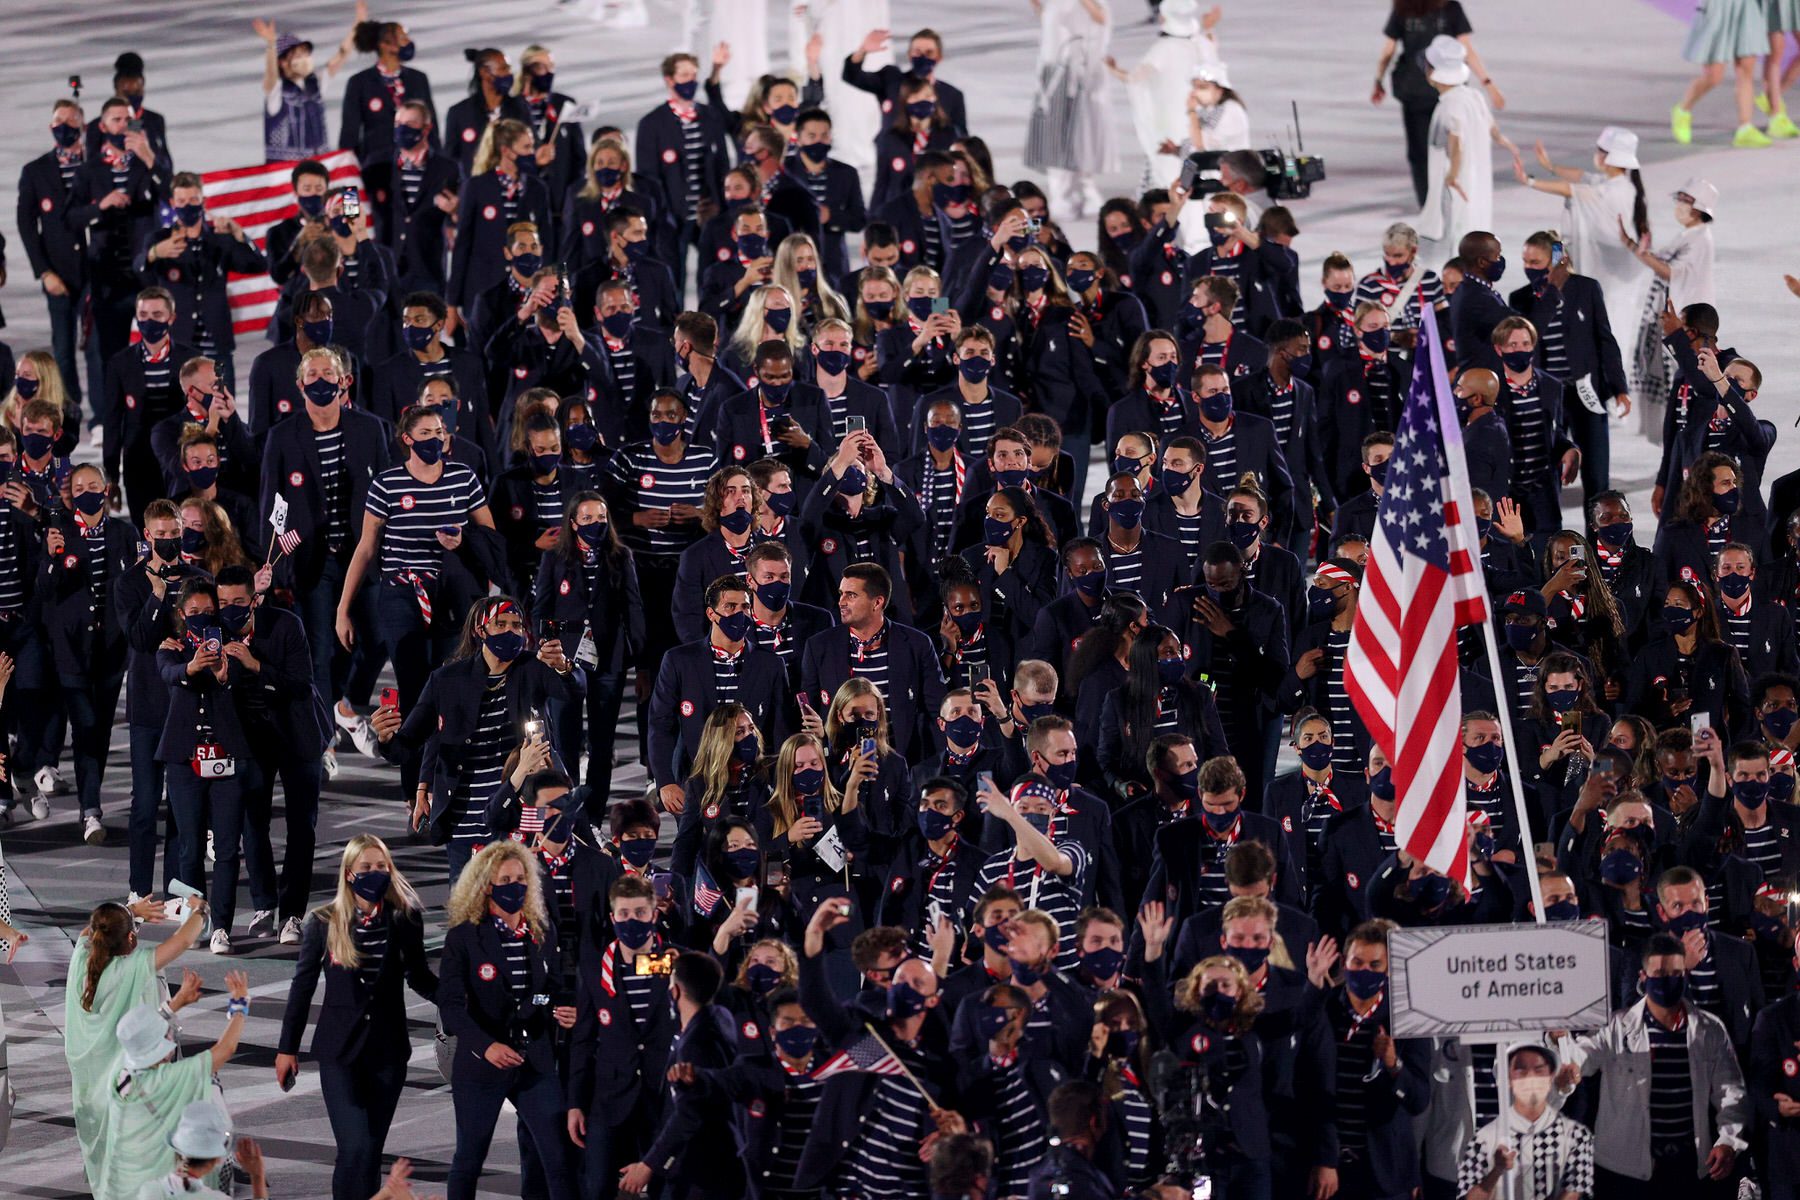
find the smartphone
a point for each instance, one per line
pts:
(1556, 253)
(978, 674)
(803, 702)
(135, 125)
(552, 630)
(1676, 693)
(75, 84)
(867, 746)
(659, 884)
(856, 424)
(1700, 722)
(390, 697)
(1578, 552)
(1570, 720)
(1219, 220)
(774, 874)
(212, 643)
(986, 779)
(940, 304)
(352, 204)
(747, 896)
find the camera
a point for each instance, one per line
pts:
(75, 86)
(1286, 176)
(1182, 1089)
(655, 964)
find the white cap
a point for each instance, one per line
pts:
(1703, 196)
(1619, 146)
(1214, 73)
(204, 1131)
(1180, 18)
(144, 1037)
(1448, 59)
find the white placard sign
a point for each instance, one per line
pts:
(1473, 981)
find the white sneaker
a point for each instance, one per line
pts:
(209, 848)
(40, 806)
(97, 436)
(346, 721)
(92, 831)
(363, 734)
(262, 924)
(290, 932)
(50, 781)
(331, 763)
(221, 942)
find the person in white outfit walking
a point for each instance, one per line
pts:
(841, 26)
(1461, 167)
(1068, 136)
(1158, 85)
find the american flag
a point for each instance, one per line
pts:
(1423, 583)
(257, 198)
(706, 891)
(867, 1053)
(287, 541)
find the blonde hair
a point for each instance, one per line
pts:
(529, 404)
(784, 805)
(718, 742)
(530, 52)
(749, 333)
(827, 303)
(590, 189)
(330, 356)
(1249, 1000)
(863, 325)
(337, 913)
(790, 963)
(917, 273)
(469, 897)
(1242, 908)
(50, 388)
(850, 691)
(503, 132)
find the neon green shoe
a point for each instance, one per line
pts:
(1782, 126)
(1762, 103)
(1749, 137)
(1681, 124)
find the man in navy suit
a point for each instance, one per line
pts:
(896, 658)
(54, 241)
(835, 186)
(696, 677)
(925, 53)
(1476, 307)
(694, 181)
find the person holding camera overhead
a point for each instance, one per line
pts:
(204, 750)
(369, 943)
(494, 998)
(474, 710)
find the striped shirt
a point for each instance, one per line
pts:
(940, 889)
(1022, 1141)
(370, 936)
(67, 164)
(412, 178)
(800, 1104)
(1671, 1088)
(1337, 699)
(515, 951)
(1139, 1124)
(693, 159)
(1124, 568)
(1316, 810)
(978, 423)
(1762, 846)
(776, 639)
(1530, 430)
(1281, 412)
(883, 1163)
(414, 511)
(838, 409)
(1378, 288)
(870, 660)
(963, 228)
(484, 761)
(1553, 341)
(1187, 532)
(623, 361)
(641, 991)
(1355, 1064)
(12, 559)
(658, 484)
(1058, 895)
(1737, 629)
(546, 502)
(726, 668)
(159, 373)
(1170, 420)
(938, 499)
(1703, 983)
(93, 538)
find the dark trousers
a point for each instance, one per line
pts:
(1589, 431)
(26, 707)
(189, 797)
(1673, 1178)
(90, 706)
(1416, 116)
(604, 696)
(114, 305)
(301, 778)
(360, 1098)
(65, 339)
(656, 587)
(316, 606)
(538, 1097)
(415, 649)
(146, 805)
(609, 1148)
(1540, 506)
(1235, 1177)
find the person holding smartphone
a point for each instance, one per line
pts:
(1686, 668)
(820, 832)
(752, 904)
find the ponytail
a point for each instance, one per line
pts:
(1640, 212)
(109, 937)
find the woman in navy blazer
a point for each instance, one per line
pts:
(369, 103)
(367, 942)
(587, 588)
(494, 999)
(204, 750)
(502, 189)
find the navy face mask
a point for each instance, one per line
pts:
(1521, 637)
(963, 731)
(638, 851)
(1725, 502)
(370, 885)
(743, 863)
(942, 437)
(1562, 910)
(975, 368)
(1316, 755)
(1677, 618)
(1175, 483)
(934, 825)
(321, 393)
(1751, 793)
(508, 897)
(1692, 919)
(1320, 603)
(1614, 535)
(1165, 374)
(1780, 722)
(1619, 867)
(1217, 1007)
(904, 1000)
(968, 623)
(1122, 1043)
(1253, 957)
(1103, 963)
(764, 979)
(1564, 700)
(1486, 757)
(1365, 985)
(1666, 990)
(1381, 784)
(1170, 670)
(1126, 513)
(1062, 776)
(796, 1041)
(735, 627)
(635, 933)
(506, 645)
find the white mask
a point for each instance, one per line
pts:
(1532, 1091)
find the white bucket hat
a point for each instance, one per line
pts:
(1180, 18)
(203, 1132)
(144, 1037)
(1449, 60)
(1702, 195)
(1619, 146)
(1214, 73)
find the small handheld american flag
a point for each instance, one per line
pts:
(706, 891)
(286, 542)
(867, 1053)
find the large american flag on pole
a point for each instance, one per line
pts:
(260, 197)
(1423, 583)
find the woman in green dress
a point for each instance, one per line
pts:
(109, 975)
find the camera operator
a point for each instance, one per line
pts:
(1068, 1172)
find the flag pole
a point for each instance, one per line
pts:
(901, 1063)
(1462, 495)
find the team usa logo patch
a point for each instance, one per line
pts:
(687, 708)
(646, 481)
(1790, 1067)
(296, 479)
(468, 135)
(587, 229)
(909, 246)
(751, 1032)
(757, 1108)
(1287, 824)
(487, 972)
(47, 204)
(1199, 1043)
(407, 502)
(1351, 879)
(1324, 343)
(130, 400)
(829, 545)
(605, 1016)
(1353, 396)
(737, 452)
(1168, 278)
(563, 587)
(518, 514)
(375, 104)
(284, 406)
(71, 562)
(489, 213)
(898, 166)
(669, 156)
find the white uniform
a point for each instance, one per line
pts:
(742, 24)
(1158, 87)
(856, 116)
(1591, 221)
(1069, 134)
(1447, 215)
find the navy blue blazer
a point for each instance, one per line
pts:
(53, 239)
(659, 154)
(1773, 1071)
(686, 692)
(616, 1066)
(1474, 311)
(1159, 275)
(147, 622)
(738, 430)
(476, 259)
(615, 613)
(1006, 410)
(476, 1003)
(186, 694)
(355, 1018)
(705, 561)
(114, 234)
(290, 469)
(915, 685)
(1176, 870)
(888, 522)
(197, 279)
(886, 82)
(368, 124)
(708, 1042)
(415, 231)
(1138, 412)
(1164, 569)
(285, 682)
(85, 641)
(1059, 625)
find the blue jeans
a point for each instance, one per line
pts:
(604, 696)
(317, 609)
(91, 706)
(415, 650)
(189, 797)
(65, 338)
(360, 1098)
(301, 779)
(538, 1097)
